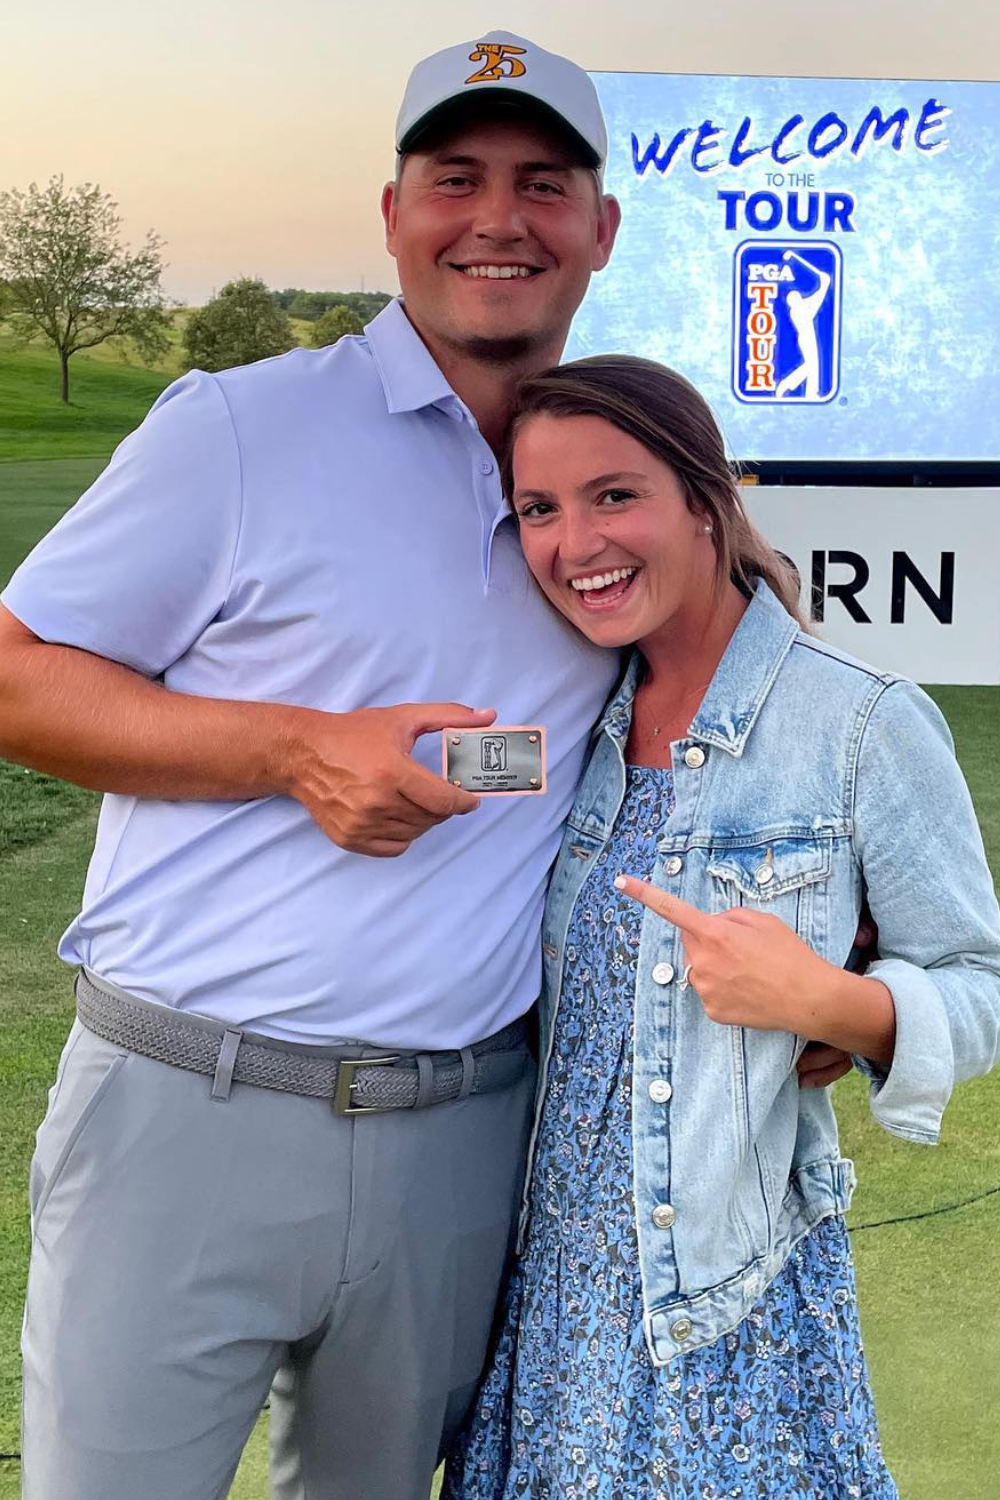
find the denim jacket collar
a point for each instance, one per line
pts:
(742, 680)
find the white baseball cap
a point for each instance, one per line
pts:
(511, 69)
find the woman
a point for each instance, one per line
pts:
(682, 1322)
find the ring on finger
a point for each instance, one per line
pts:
(686, 976)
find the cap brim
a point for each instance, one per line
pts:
(461, 109)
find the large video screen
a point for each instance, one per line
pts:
(821, 257)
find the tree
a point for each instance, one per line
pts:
(69, 277)
(334, 323)
(299, 303)
(236, 327)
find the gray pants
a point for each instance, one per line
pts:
(188, 1251)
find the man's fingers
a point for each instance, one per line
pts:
(680, 913)
(425, 718)
(432, 794)
(821, 1065)
(821, 1078)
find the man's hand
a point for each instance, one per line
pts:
(821, 1065)
(354, 774)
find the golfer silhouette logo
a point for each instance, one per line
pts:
(803, 311)
(493, 753)
(498, 60)
(786, 338)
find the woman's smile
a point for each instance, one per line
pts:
(606, 589)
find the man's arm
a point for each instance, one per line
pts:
(85, 719)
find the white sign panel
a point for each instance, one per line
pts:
(904, 578)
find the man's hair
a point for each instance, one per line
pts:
(664, 412)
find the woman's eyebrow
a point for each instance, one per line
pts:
(616, 478)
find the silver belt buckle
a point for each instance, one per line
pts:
(346, 1070)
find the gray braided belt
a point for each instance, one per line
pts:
(357, 1085)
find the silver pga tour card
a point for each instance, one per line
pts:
(507, 760)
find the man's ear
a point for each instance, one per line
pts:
(389, 211)
(607, 228)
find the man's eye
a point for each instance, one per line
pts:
(546, 189)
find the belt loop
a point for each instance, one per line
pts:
(468, 1072)
(425, 1081)
(223, 1080)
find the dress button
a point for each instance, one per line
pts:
(763, 874)
(674, 865)
(663, 973)
(663, 1216)
(660, 1091)
(681, 1330)
(694, 757)
(485, 467)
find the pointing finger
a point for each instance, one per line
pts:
(671, 908)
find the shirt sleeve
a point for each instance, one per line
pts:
(931, 894)
(137, 568)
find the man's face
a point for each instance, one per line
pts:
(496, 231)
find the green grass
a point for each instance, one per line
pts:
(33, 495)
(110, 392)
(929, 1306)
(106, 401)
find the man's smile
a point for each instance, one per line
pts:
(497, 270)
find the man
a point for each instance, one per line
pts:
(250, 633)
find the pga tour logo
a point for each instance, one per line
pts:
(786, 339)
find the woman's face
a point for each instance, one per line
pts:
(606, 529)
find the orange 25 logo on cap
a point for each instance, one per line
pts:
(499, 61)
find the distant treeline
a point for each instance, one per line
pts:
(298, 303)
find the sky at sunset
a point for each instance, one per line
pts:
(254, 137)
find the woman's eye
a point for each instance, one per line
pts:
(534, 510)
(617, 497)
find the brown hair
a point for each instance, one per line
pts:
(664, 412)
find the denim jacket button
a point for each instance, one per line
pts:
(694, 757)
(681, 1330)
(663, 1216)
(674, 865)
(763, 874)
(663, 973)
(660, 1091)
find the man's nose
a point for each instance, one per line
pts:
(500, 213)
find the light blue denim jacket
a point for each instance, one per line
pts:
(806, 780)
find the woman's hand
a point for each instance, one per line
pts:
(750, 969)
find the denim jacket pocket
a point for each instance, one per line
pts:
(776, 874)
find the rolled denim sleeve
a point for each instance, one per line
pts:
(931, 894)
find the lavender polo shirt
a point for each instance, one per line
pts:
(326, 529)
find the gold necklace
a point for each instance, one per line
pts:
(698, 691)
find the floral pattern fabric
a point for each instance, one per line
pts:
(571, 1407)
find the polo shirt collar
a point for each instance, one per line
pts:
(410, 378)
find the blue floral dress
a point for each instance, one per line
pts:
(571, 1408)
